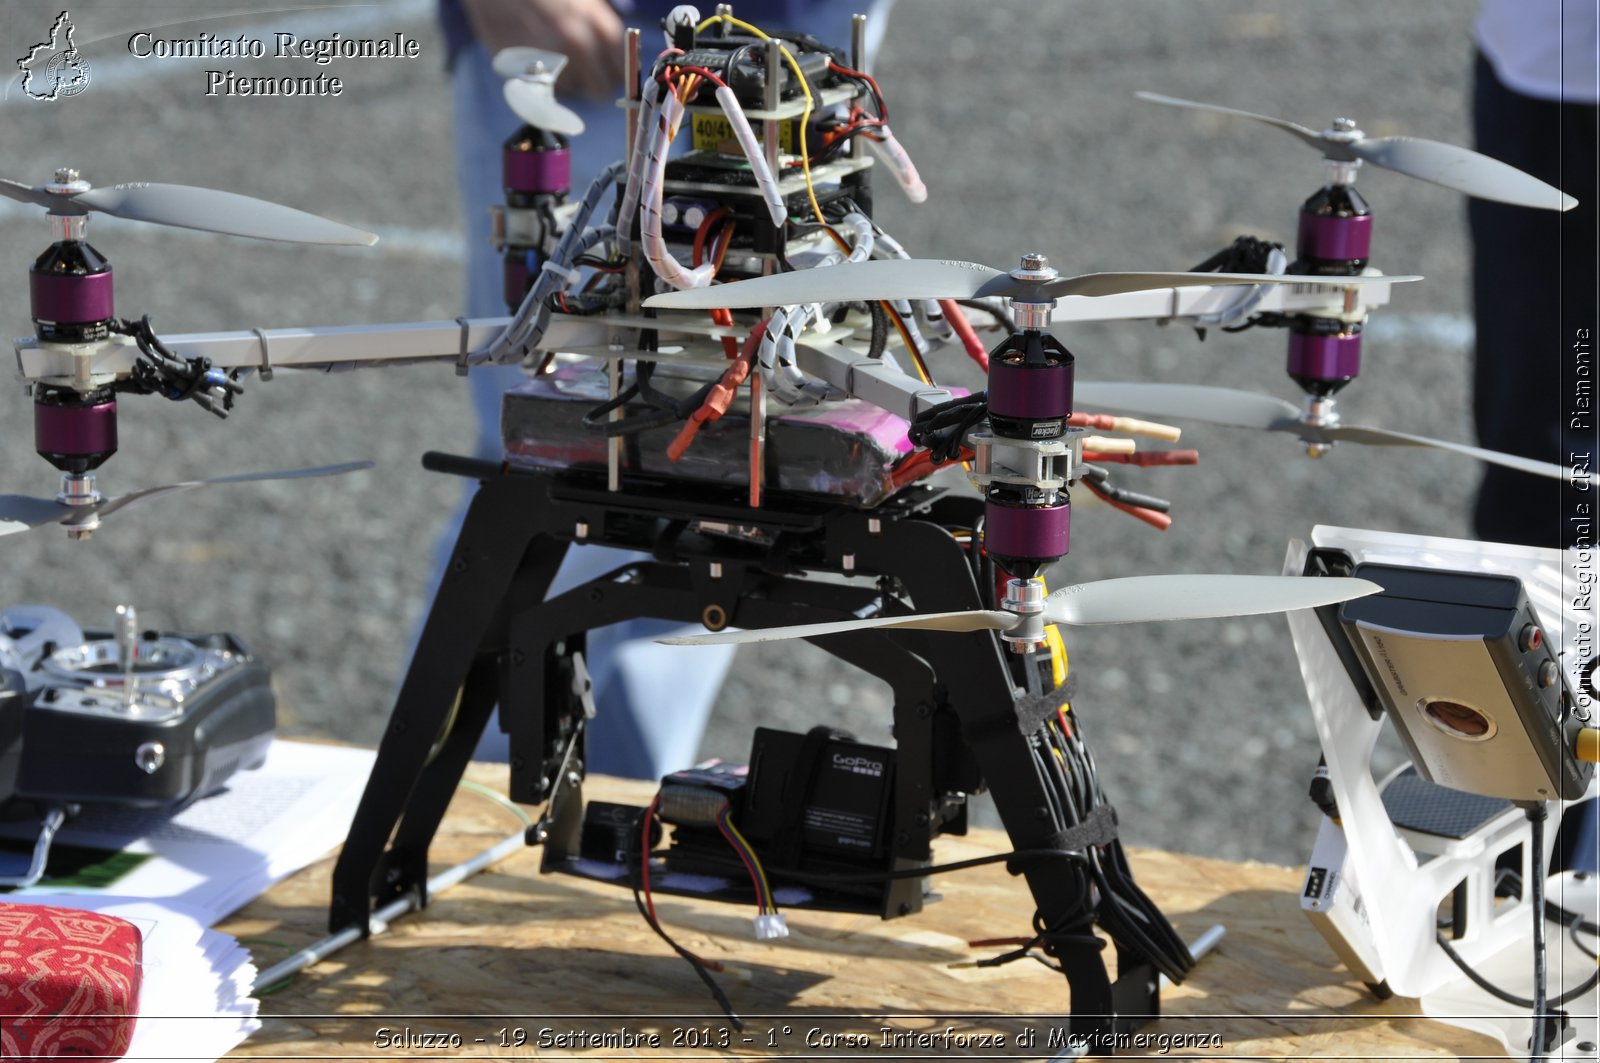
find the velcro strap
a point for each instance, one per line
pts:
(1034, 709)
(1098, 828)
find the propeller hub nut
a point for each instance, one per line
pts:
(77, 489)
(1024, 596)
(67, 181)
(1344, 131)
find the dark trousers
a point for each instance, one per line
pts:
(1537, 373)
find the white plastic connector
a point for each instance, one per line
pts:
(770, 927)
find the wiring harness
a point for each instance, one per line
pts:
(157, 371)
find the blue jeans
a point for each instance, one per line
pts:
(653, 700)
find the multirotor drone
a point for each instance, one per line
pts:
(799, 501)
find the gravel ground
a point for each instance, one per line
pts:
(1027, 134)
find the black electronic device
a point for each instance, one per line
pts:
(146, 719)
(816, 809)
(1463, 666)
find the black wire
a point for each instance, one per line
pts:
(1000, 316)
(843, 878)
(1511, 998)
(1577, 925)
(694, 961)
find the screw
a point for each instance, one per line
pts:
(849, 562)
(716, 570)
(902, 838)
(923, 712)
(65, 175)
(874, 526)
(398, 727)
(582, 530)
(596, 594)
(922, 819)
(1034, 260)
(149, 757)
(518, 658)
(1344, 125)
(459, 565)
(1041, 812)
(905, 908)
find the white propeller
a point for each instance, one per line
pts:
(188, 207)
(20, 513)
(1128, 600)
(912, 278)
(1249, 409)
(1427, 160)
(530, 88)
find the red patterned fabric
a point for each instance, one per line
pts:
(69, 983)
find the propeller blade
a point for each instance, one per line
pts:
(965, 620)
(1383, 437)
(848, 282)
(1097, 284)
(208, 210)
(1134, 599)
(1461, 170)
(338, 469)
(535, 103)
(1225, 406)
(20, 513)
(38, 196)
(520, 61)
(1455, 168)
(111, 505)
(1309, 136)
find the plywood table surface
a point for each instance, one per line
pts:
(512, 963)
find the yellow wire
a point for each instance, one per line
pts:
(1058, 650)
(805, 87)
(761, 872)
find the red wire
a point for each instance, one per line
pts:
(1148, 457)
(963, 328)
(704, 231)
(717, 403)
(877, 93)
(1158, 521)
(922, 464)
(702, 71)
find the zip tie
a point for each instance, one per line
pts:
(265, 368)
(565, 273)
(461, 353)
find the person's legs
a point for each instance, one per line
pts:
(1534, 279)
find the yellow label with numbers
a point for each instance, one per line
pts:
(713, 132)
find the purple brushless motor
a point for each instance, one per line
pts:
(536, 170)
(1030, 387)
(1023, 538)
(1030, 397)
(70, 290)
(74, 432)
(1335, 236)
